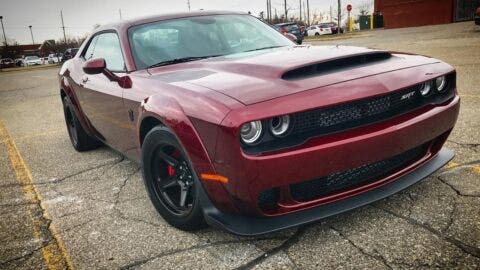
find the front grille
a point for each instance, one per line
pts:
(338, 118)
(356, 177)
(358, 113)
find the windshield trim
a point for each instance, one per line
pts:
(131, 47)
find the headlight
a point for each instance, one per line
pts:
(279, 126)
(251, 132)
(425, 90)
(440, 83)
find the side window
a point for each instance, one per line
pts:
(107, 46)
(91, 47)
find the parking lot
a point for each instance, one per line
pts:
(64, 209)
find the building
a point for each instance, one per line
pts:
(409, 13)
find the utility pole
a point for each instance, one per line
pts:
(3, 29)
(331, 14)
(286, 10)
(300, 3)
(188, 4)
(268, 11)
(31, 34)
(63, 27)
(308, 12)
(120, 13)
(339, 16)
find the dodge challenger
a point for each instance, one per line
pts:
(237, 127)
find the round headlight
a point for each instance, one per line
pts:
(279, 126)
(251, 132)
(440, 83)
(425, 90)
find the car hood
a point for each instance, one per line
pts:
(258, 76)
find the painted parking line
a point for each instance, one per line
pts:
(54, 252)
(476, 169)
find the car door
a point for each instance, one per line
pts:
(101, 98)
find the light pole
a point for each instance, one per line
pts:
(3, 29)
(31, 34)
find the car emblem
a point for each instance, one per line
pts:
(408, 95)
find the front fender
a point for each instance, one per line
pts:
(171, 114)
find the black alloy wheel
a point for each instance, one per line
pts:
(171, 183)
(174, 184)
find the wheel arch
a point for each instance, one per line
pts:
(160, 110)
(147, 124)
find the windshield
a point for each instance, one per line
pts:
(31, 58)
(200, 37)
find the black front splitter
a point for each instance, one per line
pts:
(250, 226)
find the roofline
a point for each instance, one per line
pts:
(162, 17)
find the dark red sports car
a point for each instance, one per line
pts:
(236, 126)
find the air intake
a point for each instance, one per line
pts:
(335, 65)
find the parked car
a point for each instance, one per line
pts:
(293, 29)
(477, 16)
(32, 60)
(54, 58)
(317, 30)
(7, 63)
(19, 62)
(292, 37)
(237, 127)
(69, 53)
(44, 60)
(334, 27)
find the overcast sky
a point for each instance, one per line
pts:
(81, 15)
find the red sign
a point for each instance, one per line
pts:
(349, 7)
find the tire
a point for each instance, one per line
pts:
(317, 34)
(80, 140)
(162, 160)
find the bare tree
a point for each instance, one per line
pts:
(365, 8)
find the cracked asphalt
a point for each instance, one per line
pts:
(63, 209)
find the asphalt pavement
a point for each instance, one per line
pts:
(63, 209)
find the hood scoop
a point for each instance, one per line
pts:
(336, 65)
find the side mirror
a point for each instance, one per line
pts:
(94, 66)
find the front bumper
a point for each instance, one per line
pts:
(248, 226)
(251, 176)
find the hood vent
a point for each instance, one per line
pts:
(335, 65)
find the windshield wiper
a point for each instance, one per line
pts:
(264, 48)
(182, 60)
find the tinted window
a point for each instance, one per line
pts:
(291, 27)
(200, 37)
(107, 46)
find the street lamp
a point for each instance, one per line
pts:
(3, 29)
(31, 34)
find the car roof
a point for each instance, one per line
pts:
(288, 23)
(161, 17)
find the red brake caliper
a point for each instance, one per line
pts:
(170, 168)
